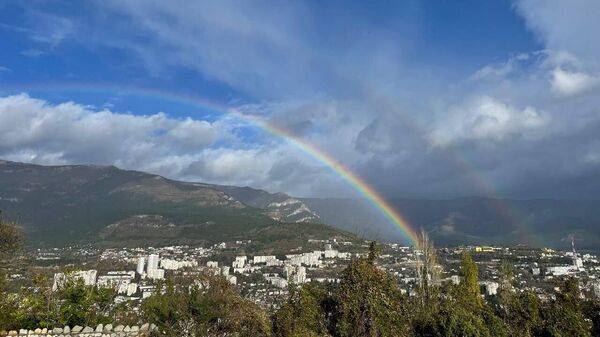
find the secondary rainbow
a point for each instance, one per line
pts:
(357, 183)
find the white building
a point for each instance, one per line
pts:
(87, 276)
(277, 281)
(153, 260)
(307, 259)
(295, 274)
(116, 280)
(141, 263)
(239, 262)
(455, 279)
(232, 279)
(578, 263)
(147, 291)
(263, 258)
(127, 288)
(156, 274)
(560, 270)
(491, 288)
(175, 264)
(330, 253)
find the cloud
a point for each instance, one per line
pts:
(33, 130)
(564, 25)
(346, 84)
(571, 83)
(485, 118)
(254, 47)
(43, 27)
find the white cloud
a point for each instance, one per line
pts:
(485, 118)
(565, 25)
(571, 83)
(254, 47)
(36, 131)
(33, 130)
(501, 70)
(49, 29)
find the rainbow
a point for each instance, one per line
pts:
(353, 180)
(367, 191)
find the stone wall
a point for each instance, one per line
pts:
(78, 331)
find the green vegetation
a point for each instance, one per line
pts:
(210, 307)
(11, 238)
(72, 304)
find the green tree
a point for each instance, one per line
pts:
(84, 305)
(11, 238)
(370, 302)
(564, 316)
(468, 294)
(211, 308)
(303, 313)
(11, 241)
(520, 312)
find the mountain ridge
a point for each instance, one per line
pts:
(78, 202)
(473, 220)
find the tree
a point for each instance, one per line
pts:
(303, 314)
(373, 252)
(468, 290)
(506, 276)
(11, 238)
(369, 302)
(427, 268)
(211, 307)
(564, 316)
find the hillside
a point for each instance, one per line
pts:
(81, 203)
(537, 222)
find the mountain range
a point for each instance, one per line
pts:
(473, 220)
(104, 204)
(83, 203)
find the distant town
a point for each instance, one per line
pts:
(265, 279)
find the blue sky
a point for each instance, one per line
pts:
(41, 46)
(421, 98)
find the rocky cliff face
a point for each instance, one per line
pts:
(290, 209)
(279, 206)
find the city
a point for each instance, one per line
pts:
(265, 279)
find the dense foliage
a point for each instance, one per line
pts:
(211, 307)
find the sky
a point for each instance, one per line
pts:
(421, 99)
